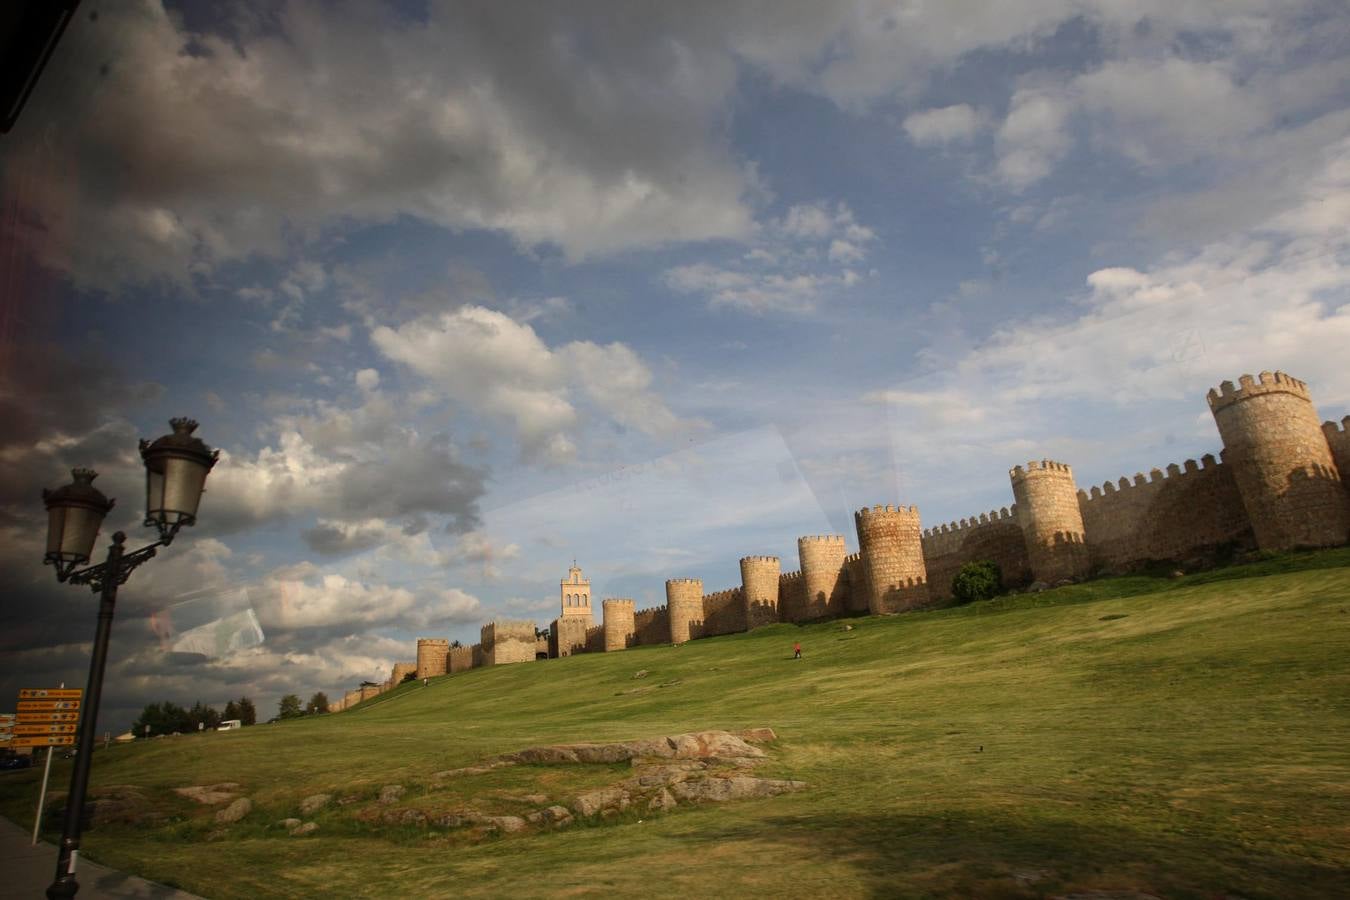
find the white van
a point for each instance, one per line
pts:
(230, 725)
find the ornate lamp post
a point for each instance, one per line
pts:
(175, 473)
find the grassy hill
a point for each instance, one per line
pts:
(1186, 738)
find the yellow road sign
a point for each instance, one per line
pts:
(51, 693)
(45, 728)
(47, 716)
(55, 740)
(36, 705)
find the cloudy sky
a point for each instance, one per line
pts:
(464, 290)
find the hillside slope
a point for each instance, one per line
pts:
(1182, 738)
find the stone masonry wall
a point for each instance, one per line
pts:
(1338, 439)
(652, 626)
(1052, 523)
(791, 597)
(994, 536)
(724, 612)
(567, 635)
(858, 588)
(620, 623)
(1188, 515)
(684, 602)
(508, 641)
(461, 659)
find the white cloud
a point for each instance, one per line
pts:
(495, 365)
(946, 125)
(330, 601)
(367, 379)
(1033, 137)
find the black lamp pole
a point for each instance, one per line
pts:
(176, 466)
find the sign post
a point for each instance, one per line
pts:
(48, 717)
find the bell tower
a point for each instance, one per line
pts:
(575, 595)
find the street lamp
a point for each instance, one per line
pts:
(176, 466)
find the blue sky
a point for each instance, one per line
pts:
(463, 290)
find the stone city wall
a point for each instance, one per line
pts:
(724, 612)
(620, 623)
(759, 589)
(892, 549)
(460, 659)
(1190, 513)
(508, 641)
(791, 597)
(993, 536)
(432, 655)
(1338, 439)
(824, 584)
(858, 587)
(651, 626)
(684, 603)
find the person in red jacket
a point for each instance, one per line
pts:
(797, 650)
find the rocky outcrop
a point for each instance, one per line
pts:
(391, 793)
(695, 745)
(313, 803)
(235, 811)
(209, 794)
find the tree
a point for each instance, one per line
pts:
(247, 714)
(289, 707)
(231, 711)
(205, 716)
(317, 704)
(977, 581)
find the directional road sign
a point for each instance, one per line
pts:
(51, 693)
(37, 705)
(47, 716)
(54, 740)
(45, 728)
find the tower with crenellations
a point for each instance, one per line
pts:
(432, 657)
(684, 605)
(1051, 521)
(826, 584)
(620, 623)
(892, 550)
(759, 589)
(1282, 462)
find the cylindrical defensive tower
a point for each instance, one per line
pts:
(1281, 461)
(684, 604)
(1052, 523)
(759, 587)
(822, 558)
(892, 553)
(620, 623)
(432, 654)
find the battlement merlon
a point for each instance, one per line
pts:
(444, 641)
(1035, 469)
(879, 511)
(1207, 464)
(760, 559)
(617, 602)
(994, 516)
(1248, 387)
(697, 581)
(820, 539)
(1343, 427)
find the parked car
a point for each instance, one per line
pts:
(15, 762)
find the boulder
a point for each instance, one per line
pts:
(390, 793)
(1037, 586)
(551, 816)
(307, 828)
(695, 745)
(536, 799)
(122, 803)
(209, 794)
(288, 824)
(313, 803)
(235, 811)
(664, 800)
(592, 802)
(504, 824)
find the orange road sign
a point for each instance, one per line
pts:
(56, 740)
(51, 693)
(37, 705)
(47, 716)
(48, 728)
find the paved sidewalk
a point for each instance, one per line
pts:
(28, 870)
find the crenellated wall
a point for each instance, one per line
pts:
(995, 536)
(1189, 513)
(652, 626)
(724, 612)
(1276, 485)
(791, 597)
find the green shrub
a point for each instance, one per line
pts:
(977, 581)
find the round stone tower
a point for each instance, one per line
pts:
(1052, 523)
(684, 605)
(1281, 461)
(759, 588)
(620, 623)
(822, 558)
(892, 553)
(432, 657)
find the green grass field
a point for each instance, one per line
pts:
(1185, 738)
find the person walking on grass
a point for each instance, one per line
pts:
(797, 650)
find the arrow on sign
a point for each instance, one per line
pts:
(59, 740)
(48, 728)
(51, 693)
(33, 705)
(49, 717)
